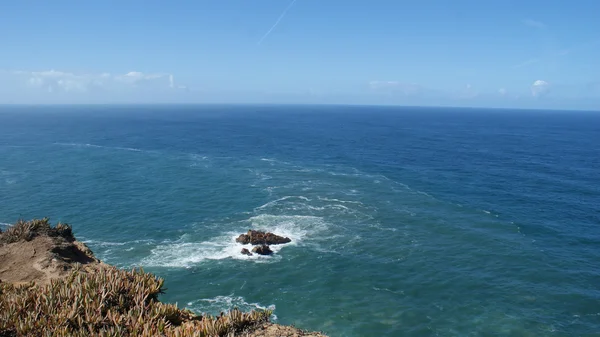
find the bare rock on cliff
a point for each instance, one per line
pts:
(36, 251)
(262, 238)
(246, 252)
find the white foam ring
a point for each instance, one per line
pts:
(274, 202)
(185, 253)
(188, 254)
(340, 201)
(100, 146)
(272, 161)
(10, 178)
(224, 303)
(389, 291)
(378, 226)
(123, 243)
(301, 203)
(199, 160)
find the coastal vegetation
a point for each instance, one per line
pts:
(90, 298)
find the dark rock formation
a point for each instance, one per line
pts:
(262, 250)
(261, 238)
(246, 252)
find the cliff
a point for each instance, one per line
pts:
(51, 284)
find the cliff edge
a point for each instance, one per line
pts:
(52, 284)
(34, 251)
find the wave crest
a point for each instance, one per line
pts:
(219, 304)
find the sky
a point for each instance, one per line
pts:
(515, 54)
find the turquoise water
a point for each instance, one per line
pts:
(404, 221)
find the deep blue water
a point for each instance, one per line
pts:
(404, 221)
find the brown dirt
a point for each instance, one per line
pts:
(42, 259)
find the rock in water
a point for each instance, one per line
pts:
(262, 250)
(243, 239)
(246, 252)
(261, 238)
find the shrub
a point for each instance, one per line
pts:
(108, 302)
(28, 230)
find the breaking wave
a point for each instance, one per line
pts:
(186, 252)
(219, 304)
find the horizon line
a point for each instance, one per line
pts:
(130, 104)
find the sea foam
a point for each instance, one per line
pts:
(185, 253)
(302, 203)
(223, 303)
(100, 146)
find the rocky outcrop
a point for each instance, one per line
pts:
(262, 250)
(262, 238)
(246, 252)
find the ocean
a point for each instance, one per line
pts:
(404, 221)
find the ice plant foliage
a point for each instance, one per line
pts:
(102, 301)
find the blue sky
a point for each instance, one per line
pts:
(460, 53)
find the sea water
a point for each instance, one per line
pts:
(404, 221)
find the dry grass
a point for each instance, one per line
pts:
(28, 230)
(109, 302)
(100, 300)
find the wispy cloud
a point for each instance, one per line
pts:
(383, 84)
(276, 22)
(534, 23)
(134, 77)
(53, 81)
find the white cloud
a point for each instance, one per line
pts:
(70, 85)
(534, 23)
(539, 88)
(35, 82)
(134, 77)
(53, 81)
(53, 73)
(383, 84)
(135, 74)
(502, 91)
